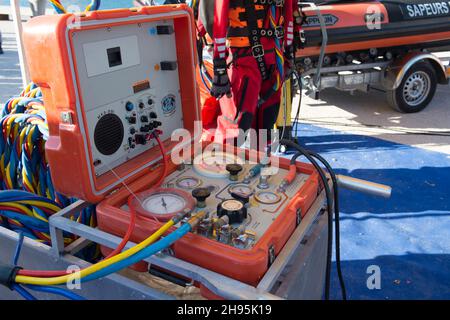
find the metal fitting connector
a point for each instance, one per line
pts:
(282, 186)
(196, 219)
(180, 216)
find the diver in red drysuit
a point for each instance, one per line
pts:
(253, 49)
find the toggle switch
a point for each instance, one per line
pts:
(161, 30)
(168, 65)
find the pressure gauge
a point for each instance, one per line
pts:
(267, 197)
(232, 205)
(241, 192)
(188, 183)
(214, 164)
(162, 204)
(234, 209)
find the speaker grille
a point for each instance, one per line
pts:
(108, 134)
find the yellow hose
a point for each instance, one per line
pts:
(98, 266)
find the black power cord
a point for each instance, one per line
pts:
(324, 179)
(311, 156)
(336, 221)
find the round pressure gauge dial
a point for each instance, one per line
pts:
(241, 192)
(267, 197)
(162, 204)
(214, 164)
(188, 183)
(232, 205)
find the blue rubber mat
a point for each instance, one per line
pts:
(407, 236)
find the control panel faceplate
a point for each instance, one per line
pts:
(129, 88)
(262, 203)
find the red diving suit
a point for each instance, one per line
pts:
(252, 43)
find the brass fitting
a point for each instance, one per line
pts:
(195, 219)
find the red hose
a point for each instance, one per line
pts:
(290, 177)
(126, 238)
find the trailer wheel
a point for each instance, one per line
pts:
(416, 90)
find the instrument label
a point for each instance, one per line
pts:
(426, 10)
(314, 21)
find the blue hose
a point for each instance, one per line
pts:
(18, 195)
(58, 291)
(141, 255)
(24, 293)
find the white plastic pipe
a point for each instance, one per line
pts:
(17, 20)
(364, 186)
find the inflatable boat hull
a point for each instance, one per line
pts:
(423, 24)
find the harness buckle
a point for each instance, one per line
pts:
(258, 51)
(279, 32)
(302, 36)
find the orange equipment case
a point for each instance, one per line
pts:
(49, 46)
(49, 50)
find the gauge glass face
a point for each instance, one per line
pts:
(188, 183)
(267, 197)
(232, 205)
(164, 203)
(241, 190)
(215, 164)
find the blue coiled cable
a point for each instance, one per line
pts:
(158, 246)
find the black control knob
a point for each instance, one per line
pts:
(234, 209)
(131, 143)
(201, 194)
(132, 130)
(150, 102)
(144, 119)
(132, 120)
(140, 139)
(141, 105)
(157, 124)
(153, 115)
(234, 170)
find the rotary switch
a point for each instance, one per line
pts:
(234, 209)
(201, 194)
(234, 170)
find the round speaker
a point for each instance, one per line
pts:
(108, 134)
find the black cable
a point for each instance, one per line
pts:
(336, 221)
(336, 213)
(324, 179)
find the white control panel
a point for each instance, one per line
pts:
(129, 86)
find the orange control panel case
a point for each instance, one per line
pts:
(248, 266)
(49, 48)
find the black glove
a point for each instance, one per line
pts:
(221, 83)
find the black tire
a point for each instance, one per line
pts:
(404, 99)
